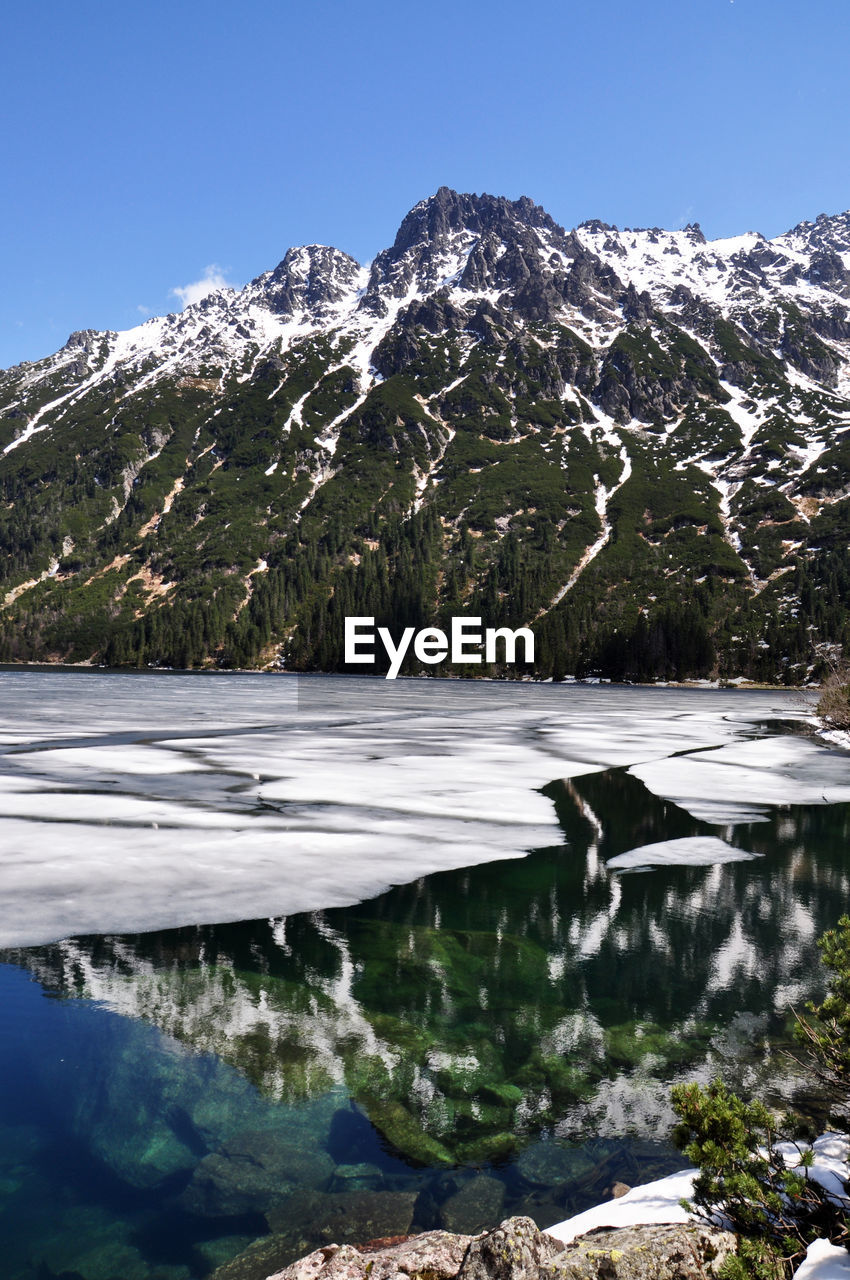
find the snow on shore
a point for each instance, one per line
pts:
(824, 1261)
(836, 737)
(659, 1202)
(655, 1202)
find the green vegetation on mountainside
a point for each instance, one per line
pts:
(235, 519)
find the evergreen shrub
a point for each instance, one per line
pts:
(753, 1170)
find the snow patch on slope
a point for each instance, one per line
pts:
(602, 497)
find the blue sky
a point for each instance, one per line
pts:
(145, 143)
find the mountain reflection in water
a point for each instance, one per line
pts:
(497, 1039)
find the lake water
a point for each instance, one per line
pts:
(221, 1030)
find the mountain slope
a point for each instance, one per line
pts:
(634, 440)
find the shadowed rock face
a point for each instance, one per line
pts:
(517, 1250)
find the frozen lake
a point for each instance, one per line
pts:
(219, 1023)
(135, 802)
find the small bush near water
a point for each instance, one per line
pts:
(834, 702)
(777, 1211)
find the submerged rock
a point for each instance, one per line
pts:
(266, 1255)
(500, 1094)
(222, 1188)
(252, 1171)
(494, 1146)
(221, 1249)
(339, 1217)
(477, 1203)
(325, 1220)
(290, 1159)
(548, 1164)
(357, 1177)
(404, 1132)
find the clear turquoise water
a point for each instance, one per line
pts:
(476, 1043)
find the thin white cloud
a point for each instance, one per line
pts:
(212, 279)
(142, 310)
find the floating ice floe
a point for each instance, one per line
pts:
(690, 851)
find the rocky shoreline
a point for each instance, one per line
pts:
(641, 1233)
(306, 1221)
(518, 1250)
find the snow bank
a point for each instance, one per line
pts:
(824, 1261)
(659, 1202)
(836, 737)
(830, 1168)
(655, 1202)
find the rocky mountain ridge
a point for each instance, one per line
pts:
(634, 440)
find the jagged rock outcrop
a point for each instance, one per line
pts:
(313, 279)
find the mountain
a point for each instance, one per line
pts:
(634, 440)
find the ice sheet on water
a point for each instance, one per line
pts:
(719, 786)
(134, 802)
(690, 851)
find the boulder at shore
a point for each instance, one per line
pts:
(518, 1250)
